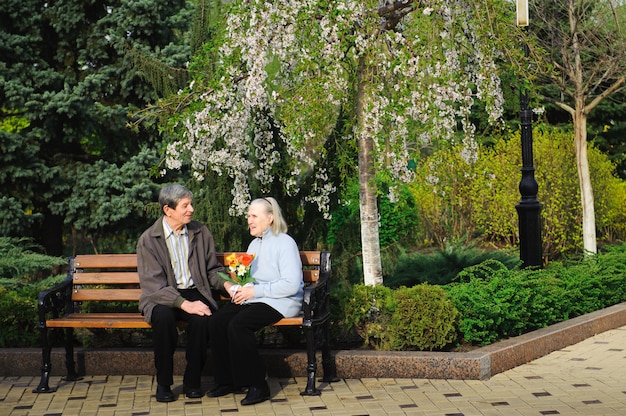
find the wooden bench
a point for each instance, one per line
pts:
(114, 278)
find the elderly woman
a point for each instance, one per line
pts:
(276, 293)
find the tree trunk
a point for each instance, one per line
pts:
(372, 268)
(584, 180)
(50, 234)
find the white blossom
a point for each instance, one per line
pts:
(288, 73)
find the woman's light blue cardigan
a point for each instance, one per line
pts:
(277, 269)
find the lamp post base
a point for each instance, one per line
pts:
(530, 233)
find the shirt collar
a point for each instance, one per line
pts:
(168, 230)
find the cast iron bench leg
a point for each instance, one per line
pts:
(310, 389)
(70, 364)
(46, 365)
(328, 363)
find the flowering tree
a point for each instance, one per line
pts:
(405, 72)
(582, 51)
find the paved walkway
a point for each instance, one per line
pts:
(588, 378)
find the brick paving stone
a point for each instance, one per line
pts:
(587, 378)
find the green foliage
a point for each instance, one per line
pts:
(495, 302)
(15, 216)
(424, 320)
(22, 261)
(69, 88)
(442, 191)
(368, 309)
(22, 268)
(608, 131)
(456, 199)
(417, 318)
(398, 220)
(18, 307)
(442, 266)
(105, 198)
(18, 317)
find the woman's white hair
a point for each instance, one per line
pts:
(279, 225)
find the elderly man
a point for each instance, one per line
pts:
(177, 269)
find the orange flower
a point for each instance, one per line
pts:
(231, 259)
(239, 267)
(245, 259)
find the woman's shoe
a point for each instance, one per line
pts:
(256, 394)
(192, 392)
(220, 390)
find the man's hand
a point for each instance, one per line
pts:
(228, 286)
(196, 308)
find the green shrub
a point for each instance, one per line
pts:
(442, 266)
(456, 199)
(18, 317)
(20, 259)
(368, 310)
(22, 268)
(424, 320)
(418, 318)
(495, 302)
(441, 191)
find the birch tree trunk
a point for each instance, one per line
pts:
(584, 180)
(370, 243)
(580, 138)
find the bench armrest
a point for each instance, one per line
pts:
(56, 301)
(316, 301)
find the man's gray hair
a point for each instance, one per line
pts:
(171, 194)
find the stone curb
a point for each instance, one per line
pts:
(479, 364)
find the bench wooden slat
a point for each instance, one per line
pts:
(122, 261)
(295, 321)
(310, 276)
(106, 261)
(123, 278)
(124, 320)
(308, 258)
(99, 320)
(106, 294)
(111, 278)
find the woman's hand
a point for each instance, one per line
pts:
(243, 294)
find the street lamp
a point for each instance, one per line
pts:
(529, 207)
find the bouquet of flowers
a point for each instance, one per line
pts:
(239, 267)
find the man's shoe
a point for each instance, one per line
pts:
(192, 392)
(164, 394)
(256, 394)
(220, 390)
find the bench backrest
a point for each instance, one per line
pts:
(114, 277)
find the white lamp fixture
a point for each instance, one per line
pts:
(522, 12)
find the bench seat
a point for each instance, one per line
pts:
(125, 320)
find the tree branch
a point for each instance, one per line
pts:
(392, 13)
(614, 87)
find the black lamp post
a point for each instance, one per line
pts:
(529, 207)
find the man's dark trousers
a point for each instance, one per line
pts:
(165, 339)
